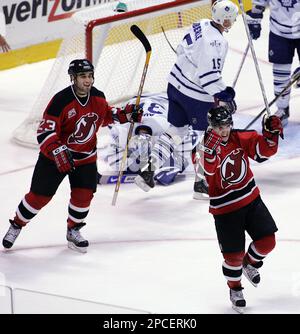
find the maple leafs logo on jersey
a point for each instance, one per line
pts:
(233, 168)
(85, 129)
(288, 3)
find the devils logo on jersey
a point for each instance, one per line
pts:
(85, 129)
(233, 168)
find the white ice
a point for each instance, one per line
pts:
(154, 252)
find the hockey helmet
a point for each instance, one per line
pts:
(222, 10)
(121, 7)
(144, 128)
(79, 66)
(219, 116)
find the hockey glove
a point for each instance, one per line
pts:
(130, 114)
(296, 76)
(63, 159)
(253, 19)
(272, 127)
(206, 159)
(211, 141)
(226, 98)
(226, 95)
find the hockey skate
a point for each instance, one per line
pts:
(283, 114)
(200, 190)
(11, 235)
(251, 272)
(145, 180)
(237, 299)
(75, 239)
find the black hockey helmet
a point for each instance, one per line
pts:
(219, 116)
(143, 127)
(80, 65)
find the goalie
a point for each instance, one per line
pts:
(153, 124)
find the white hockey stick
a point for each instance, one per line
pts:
(254, 58)
(241, 65)
(143, 39)
(294, 78)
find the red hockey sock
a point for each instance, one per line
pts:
(79, 205)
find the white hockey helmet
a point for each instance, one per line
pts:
(222, 10)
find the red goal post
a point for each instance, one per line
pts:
(133, 14)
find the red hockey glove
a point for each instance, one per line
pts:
(63, 159)
(272, 127)
(211, 141)
(130, 113)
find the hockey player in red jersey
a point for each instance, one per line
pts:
(67, 139)
(235, 200)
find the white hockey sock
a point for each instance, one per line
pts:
(281, 77)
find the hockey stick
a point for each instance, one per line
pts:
(294, 78)
(166, 37)
(241, 65)
(254, 57)
(143, 39)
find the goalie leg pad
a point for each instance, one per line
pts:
(166, 175)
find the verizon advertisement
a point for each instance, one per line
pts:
(31, 22)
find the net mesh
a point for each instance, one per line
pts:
(118, 56)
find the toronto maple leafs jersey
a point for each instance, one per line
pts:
(200, 60)
(284, 17)
(155, 116)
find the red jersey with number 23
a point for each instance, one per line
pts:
(74, 123)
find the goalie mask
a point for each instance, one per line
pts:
(223, 10)
(219, 116)
(80, 66)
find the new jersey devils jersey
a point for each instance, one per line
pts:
(74, 122)
(230, 180)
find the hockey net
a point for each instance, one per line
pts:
(104, 36)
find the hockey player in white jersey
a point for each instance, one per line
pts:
(154, 122)
(284, 39)
(194, 85)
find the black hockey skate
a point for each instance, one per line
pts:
(251, 272)
(283, 114)
(11, 235)
(145, 180)
(75, 239)
(237, 299)
(200, 190)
